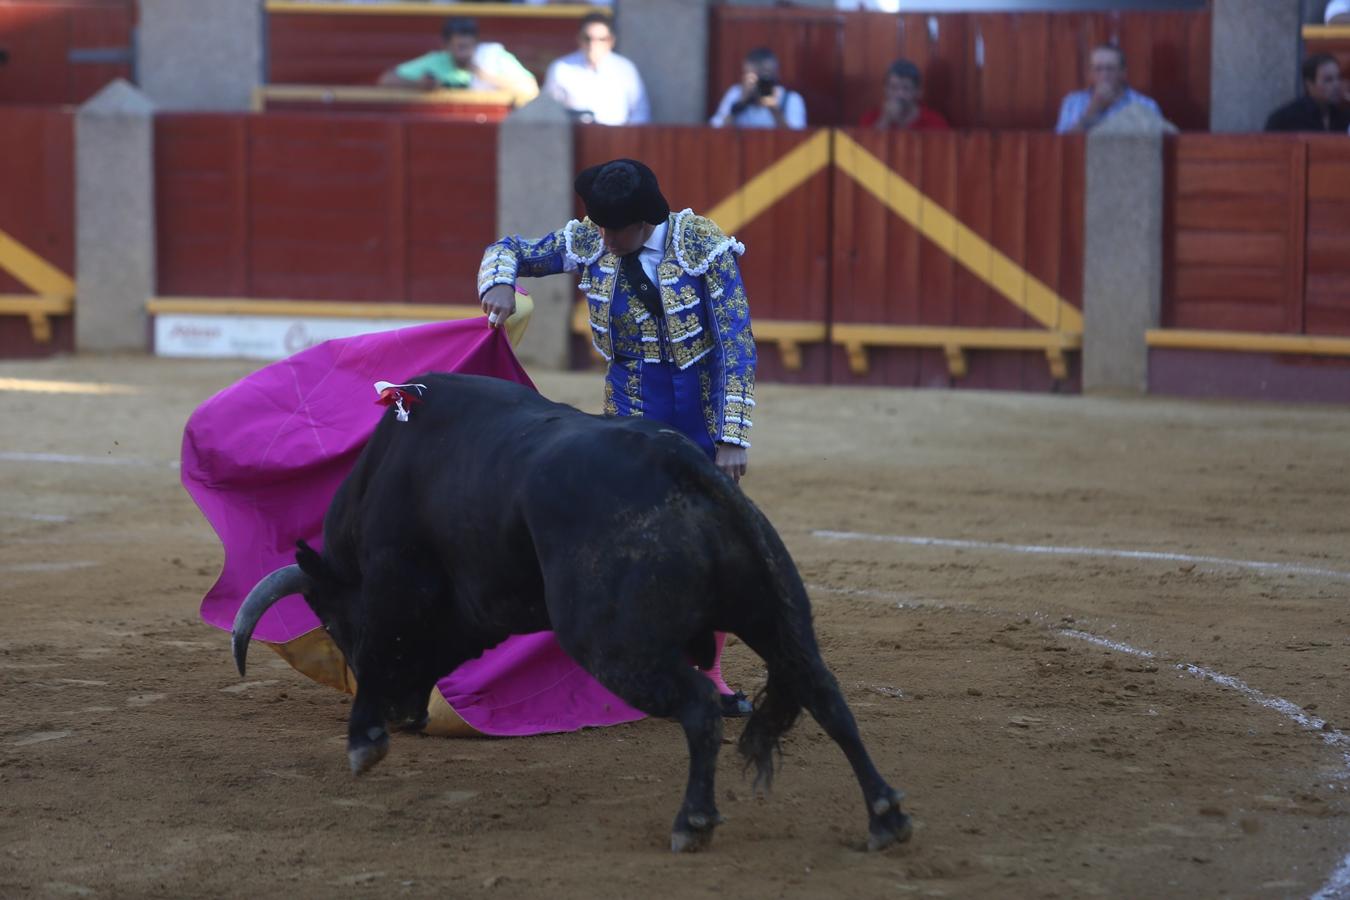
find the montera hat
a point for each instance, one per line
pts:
(620, 193)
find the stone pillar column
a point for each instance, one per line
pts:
(195, 54)
(1123, 249)
(1254, 57)
(668, 40)
(535, 169)
(114, 219)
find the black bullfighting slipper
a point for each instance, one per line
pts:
(735, 706)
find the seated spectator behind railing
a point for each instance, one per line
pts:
(595, 83)
(900, 106)
(1338, 12)
(1108, 93)
(465, 63)
(1318, 109)
(759, 101)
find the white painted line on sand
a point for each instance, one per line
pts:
(48, 566)
(40, 737)
(1337, 886)
(73, 459)
(1338, 883)
(1048, 550)
(35, 517)
(1108, 644)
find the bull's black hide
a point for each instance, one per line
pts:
(494, 511)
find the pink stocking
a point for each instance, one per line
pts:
(714, 672)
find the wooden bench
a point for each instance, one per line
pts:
(954, 342)
(39, 310)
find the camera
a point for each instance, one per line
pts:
(765, 86)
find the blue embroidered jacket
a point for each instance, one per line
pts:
(706, 328)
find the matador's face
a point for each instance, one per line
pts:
(629, 239)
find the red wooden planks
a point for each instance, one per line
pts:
(1234, 233)
(1327, 299)
(451, 203)
(323, 208)
(39, 36)
(201, 198)
(37, 209)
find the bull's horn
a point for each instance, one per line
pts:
(282, 583)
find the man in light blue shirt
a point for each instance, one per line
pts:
(1109, 93)
(595, 83)
(759, 101)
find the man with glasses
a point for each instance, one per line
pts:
(1108, 94)
(595, 83)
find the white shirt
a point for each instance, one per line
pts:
(1336, 8)
(649, 256)
(890, 6)
(612, 92)
(756, 116)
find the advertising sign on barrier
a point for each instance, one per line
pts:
(256, 337)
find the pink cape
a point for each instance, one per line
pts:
(263, 458)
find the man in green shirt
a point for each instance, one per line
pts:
(465, 63)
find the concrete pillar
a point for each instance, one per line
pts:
(535, 169)
(1123, 249)
(195, 54)
(668, 40)
(1254, 57)
(114, 219)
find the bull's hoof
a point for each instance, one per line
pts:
(690, 841)
(889, 823)
(364, 756)
(696, 833)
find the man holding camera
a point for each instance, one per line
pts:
(759, 101)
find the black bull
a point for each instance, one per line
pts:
(494, 512)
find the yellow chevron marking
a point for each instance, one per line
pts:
(957, 240)
(773, 184)
(25, 265)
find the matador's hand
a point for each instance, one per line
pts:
(499, 303)
(733, 460)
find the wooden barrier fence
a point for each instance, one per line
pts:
(63, 51)
(309, 207)
(981, 70)
(37, 230)
(921, 259)
(1256, 293)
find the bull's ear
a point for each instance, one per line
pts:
(311, 562)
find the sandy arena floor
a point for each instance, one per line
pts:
(1036, 706)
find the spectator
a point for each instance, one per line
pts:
(1107, 95)
(759, 101)
(465, 63)
(1317, 110)
(595, 83)
(900, 106)
(1338, 12)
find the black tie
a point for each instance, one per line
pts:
(641, 286)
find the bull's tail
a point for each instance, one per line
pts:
(776, 709)
(787, 644)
